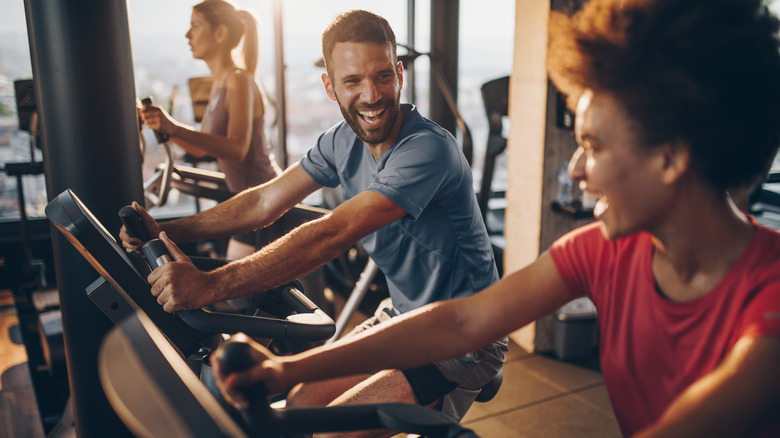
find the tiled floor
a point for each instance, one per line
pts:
(18, 411)
(544, 397)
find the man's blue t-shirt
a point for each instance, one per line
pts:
(440, 249)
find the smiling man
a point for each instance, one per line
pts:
(408, 198)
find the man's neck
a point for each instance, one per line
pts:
(380, 148)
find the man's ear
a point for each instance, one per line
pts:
(676, 160)
(401, 74)
(328, 87)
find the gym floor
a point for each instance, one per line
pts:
(540, 396)
(18, 409)
(544, 397)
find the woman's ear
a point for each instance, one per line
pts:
(676, 160)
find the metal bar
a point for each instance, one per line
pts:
(409, 69)
(355, 297)
(449, 98)
(281, 99)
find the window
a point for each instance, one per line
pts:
(163, 62)
(15, 144)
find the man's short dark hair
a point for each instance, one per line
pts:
(705, 72)
(356, 27)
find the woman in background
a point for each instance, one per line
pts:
(233, 123)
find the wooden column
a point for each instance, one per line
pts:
(537, 147)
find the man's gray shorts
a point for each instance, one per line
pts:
(470, 372)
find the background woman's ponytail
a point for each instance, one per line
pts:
(249, 49)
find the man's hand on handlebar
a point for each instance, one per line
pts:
(269, 371)
(132, 243)
(179, 285)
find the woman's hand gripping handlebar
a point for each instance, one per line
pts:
(246, 373)
(236, 371)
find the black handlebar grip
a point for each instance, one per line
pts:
(156, 253)
(235, 355)
(161, 138)
(131, 220)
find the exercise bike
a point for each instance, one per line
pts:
(143, 364)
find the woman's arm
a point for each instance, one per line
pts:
(737, 399)
(431, 333)
(242, 109)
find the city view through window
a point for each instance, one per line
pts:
(163, 63)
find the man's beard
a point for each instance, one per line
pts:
(379, 133)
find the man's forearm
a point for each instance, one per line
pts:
(234, 216)
(290, 257)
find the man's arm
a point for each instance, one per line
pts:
(737, 399)
(451, 328)
(179, 286)
(251, 209)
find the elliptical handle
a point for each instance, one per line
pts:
(132, 222)
(236, 355)
(159, 136)
(156, 253)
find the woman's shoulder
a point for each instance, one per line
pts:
(764, 248)
(239, 78)
(590, 239)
